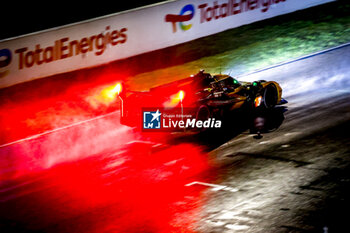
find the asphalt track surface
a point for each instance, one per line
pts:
(99, 176)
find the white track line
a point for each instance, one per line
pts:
(57, 129)
(215, 187)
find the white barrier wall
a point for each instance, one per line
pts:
(106, 39)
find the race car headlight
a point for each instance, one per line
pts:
(257, 101)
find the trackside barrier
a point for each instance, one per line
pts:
(106, 39)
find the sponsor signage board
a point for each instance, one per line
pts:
(106, 39)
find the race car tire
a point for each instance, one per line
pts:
(270, 96)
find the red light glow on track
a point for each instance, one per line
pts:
(65, 144)
(144, 186)
(69, 137)
(36, 107)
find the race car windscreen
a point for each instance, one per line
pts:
(229, 83)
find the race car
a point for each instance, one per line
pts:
(207, 96)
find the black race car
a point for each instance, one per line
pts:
(207, 96)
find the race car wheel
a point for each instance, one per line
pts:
(270, 96)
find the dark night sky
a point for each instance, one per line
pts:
(22, 17)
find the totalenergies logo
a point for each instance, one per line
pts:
(27, 57)
(65, 48)
(186, 14)
(213, 10)
(5, 60)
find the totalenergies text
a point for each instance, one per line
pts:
(233, 7)
(65, 48)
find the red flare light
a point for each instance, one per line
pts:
(181, 95)
(175, 99)
(118, 88)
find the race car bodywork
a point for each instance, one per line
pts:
(207, 95)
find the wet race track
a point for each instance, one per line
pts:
(99, 176)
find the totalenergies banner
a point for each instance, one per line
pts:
(103, 40)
